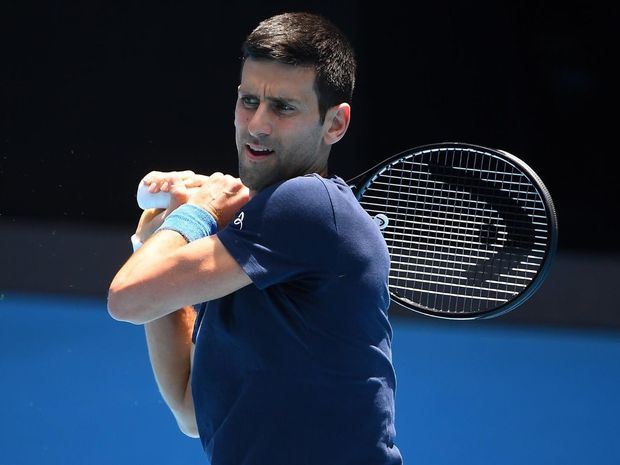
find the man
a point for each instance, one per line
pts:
(291, 361)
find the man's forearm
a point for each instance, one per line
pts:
(128, 298)
(168, 273)
(169, 341)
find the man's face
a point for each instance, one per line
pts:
(277, 125)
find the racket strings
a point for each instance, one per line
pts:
(470, 204)
(430, 235)
(466, 229)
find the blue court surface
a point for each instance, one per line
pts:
(76, 388)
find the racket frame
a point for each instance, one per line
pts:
(360, 184)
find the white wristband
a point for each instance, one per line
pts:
(135, 242)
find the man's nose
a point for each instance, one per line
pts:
(260, 124)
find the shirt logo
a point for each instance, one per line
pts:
(239, 220)
(382, 221)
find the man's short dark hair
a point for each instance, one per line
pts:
(306, 39)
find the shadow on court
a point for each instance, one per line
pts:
(77, 389)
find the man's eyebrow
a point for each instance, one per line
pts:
(277, 99)
(283, 100)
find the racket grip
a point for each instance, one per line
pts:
(148, 200)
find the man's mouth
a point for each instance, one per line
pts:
(258, 151)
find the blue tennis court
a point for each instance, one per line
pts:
(77, 389)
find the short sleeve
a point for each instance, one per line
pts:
(285, 232)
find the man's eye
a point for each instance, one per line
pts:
(284, 108)
(249, 102)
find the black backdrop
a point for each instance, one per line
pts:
(96, 94)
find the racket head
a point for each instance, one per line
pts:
(471, 231)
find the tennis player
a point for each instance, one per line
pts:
(288, 359)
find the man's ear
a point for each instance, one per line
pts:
(336, 123)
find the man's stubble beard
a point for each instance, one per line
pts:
(257, 176)
(286, 163)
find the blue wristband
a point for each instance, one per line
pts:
(191, 222)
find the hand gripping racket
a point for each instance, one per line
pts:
(471, 231)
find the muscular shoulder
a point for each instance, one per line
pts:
(304, 200)
(306, 192)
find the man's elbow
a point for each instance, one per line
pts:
(186, 420)
(122, 307)
(189, 430)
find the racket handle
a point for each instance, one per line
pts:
(148, 200)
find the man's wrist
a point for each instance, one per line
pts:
(191, 222)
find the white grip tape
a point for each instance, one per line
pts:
(148, 200)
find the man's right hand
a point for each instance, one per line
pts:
(221, 195)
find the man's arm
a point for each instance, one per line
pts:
(167, 273)
(169, 342)
(171, 353)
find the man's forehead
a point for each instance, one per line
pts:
(277, 80)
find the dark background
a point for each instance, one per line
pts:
(96, 94)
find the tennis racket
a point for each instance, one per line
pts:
(471, 231)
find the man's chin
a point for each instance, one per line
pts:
(252, 181)
(256, 177)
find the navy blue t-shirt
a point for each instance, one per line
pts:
(296, 367)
